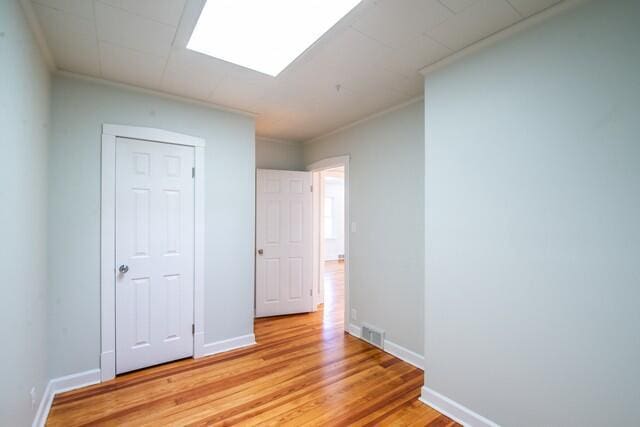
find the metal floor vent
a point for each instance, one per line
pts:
(373, 335)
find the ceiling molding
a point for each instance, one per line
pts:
(503, 34)
(36, 30)
(277, 141)
(366, 119)
(157, 93)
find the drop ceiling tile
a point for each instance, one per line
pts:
(72, 40)
(529, 7)
(126, 29)
(376, 79)
(130, 66)
(244, 89)
(349, 49)
(415, 55)
(456, 6)
(482, 19)
(384, 99)
(277, 130)
(395, 22)
(165, 11)
(192, 74)
(79, 8)
(373, 55)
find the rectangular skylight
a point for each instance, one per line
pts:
(264, 35)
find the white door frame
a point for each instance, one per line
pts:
(330, 163)
(108, 236)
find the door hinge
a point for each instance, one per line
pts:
(193, 329)
(311, 292)
(193, 172)
(312, 188)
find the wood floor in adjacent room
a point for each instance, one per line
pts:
(304, 370)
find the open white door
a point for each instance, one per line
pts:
(154, 253)
(283, 242)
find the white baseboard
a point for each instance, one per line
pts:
(94, 376)
(402, 353)
(60, 385)
(355, 330)
(453, 409)
(394, 349)
(226, 345)
(45, 405)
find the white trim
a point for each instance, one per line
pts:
(107, 236)
(155, 92)
(107, 258)
(60, 385)
(405, 354)
(329, 163)
(355, 330)
(278, 141)
(393, 349)
(199, 242)
(453, 409)
(34, 24)
(151, 134)
(45, 406)
(366, 119)
(228, 344)
(503, 34)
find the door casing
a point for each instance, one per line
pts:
(316, 167)
(108, 237)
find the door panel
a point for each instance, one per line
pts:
(283, 233)
(155, 240)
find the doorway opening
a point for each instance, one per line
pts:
(302, 242)
(330, 240)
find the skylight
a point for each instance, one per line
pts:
(264, 35)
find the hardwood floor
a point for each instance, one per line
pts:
(304, 370)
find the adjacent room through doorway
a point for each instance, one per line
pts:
(301, 256)
(331, 215)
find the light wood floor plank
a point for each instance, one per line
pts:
(303, 371)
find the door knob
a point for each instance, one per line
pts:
(260, 251)
(123, 269)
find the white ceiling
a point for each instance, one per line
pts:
(368, 62)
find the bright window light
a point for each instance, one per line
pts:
(264, 35)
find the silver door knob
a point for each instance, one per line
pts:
(123, 269)
(260, 251)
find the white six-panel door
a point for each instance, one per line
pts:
(283, 243)
(154, 253)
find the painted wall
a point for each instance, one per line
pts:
(532, 230)
(387, 205)
(79, 109)
(334, 246)
(279, 155)
(24, 122)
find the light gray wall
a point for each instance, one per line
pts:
(279, 155)
(79, 108)
(24, 121)
(387, 203)
(532, 223)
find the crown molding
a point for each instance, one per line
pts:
(36, 29)
(154, 92)
(277, 141)
(503, 34)
(366, 119)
